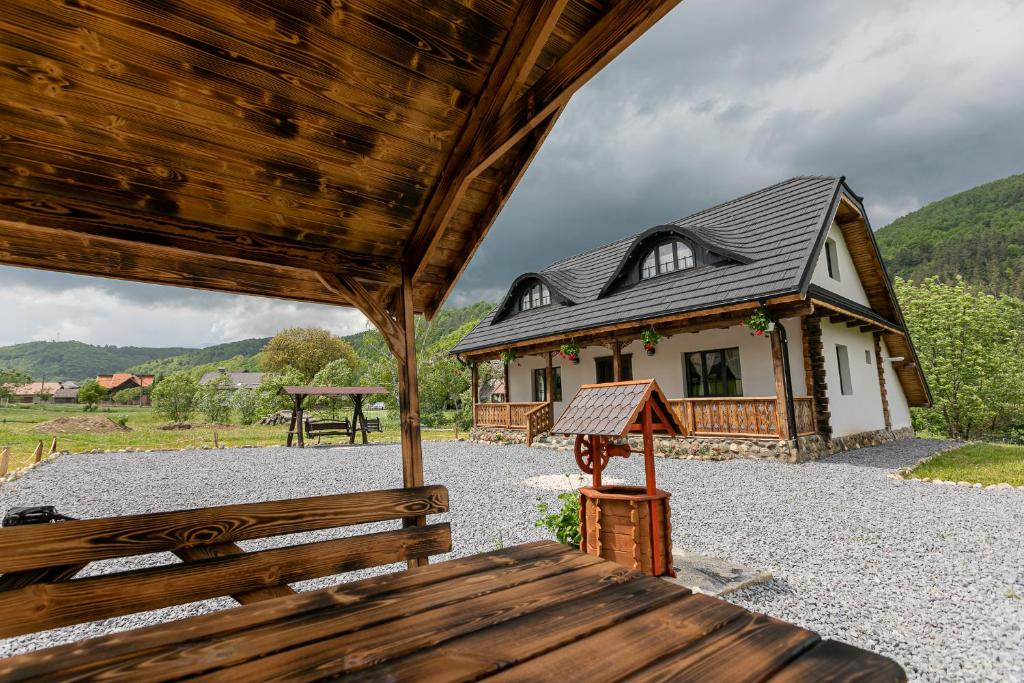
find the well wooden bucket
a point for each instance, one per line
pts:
(618, 523)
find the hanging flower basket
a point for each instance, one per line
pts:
(570, 350)
(650, 339)
(508, 356)
(759, 323)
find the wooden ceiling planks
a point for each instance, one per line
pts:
(235, 145)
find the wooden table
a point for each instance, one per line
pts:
(534, 612)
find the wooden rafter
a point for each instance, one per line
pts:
(522, 47)
(613, 33)
(354, 292)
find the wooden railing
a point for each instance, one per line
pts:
(755, 417)
(538, 421)
(507, 415)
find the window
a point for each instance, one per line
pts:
(845, 383)
(867, 356)
(540, 393)
(536, 296)
(832, 259)
(666, 257)
(713, 373)
(605, 369)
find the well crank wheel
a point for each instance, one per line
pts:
(590, 450)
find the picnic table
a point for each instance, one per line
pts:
(536, 612)
(297, 426)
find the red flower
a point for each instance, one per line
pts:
(759, 333)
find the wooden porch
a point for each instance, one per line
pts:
(756, 417)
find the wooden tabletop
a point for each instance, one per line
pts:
(534, 612)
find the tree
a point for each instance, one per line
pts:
(127, 396)
(10, 380)
(213, 400)
(269, 400)
(246, 403)
(970, 347)
(342, 372)
(306, 349)
(91, 393)
(175, 397)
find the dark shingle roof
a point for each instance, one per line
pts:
(776, 228)
(610, 409)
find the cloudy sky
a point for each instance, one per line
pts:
(911, 100)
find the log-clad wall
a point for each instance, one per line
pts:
(814, 362)
(881, 379)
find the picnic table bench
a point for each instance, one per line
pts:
(301, 427)
(536, 612)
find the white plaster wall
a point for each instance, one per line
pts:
(849, 284)
(666, 366)
(862, 410)
(899, 408)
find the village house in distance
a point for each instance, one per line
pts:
(769, 320)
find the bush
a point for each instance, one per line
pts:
(174, 398)
(565, 523)
(246, 403)
(126, 396)
(90, 394)
(213, 400)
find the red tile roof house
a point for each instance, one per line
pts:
(835, 370)
(120, 381)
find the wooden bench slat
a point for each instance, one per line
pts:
(655, 634)
(363, 646)
(146, 644)
(51, 605)
(208, 552)
(483, 652)
(832, 661)
(747, 650)
(16, 580)
(82, 541)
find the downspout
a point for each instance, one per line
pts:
(787, 380)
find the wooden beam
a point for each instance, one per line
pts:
(534, 23)
(23, 210)
(354, 292)
(620, 26)
(549, 387)
(781, 402)
(617, 361)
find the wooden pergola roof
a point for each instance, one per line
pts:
(308, 150)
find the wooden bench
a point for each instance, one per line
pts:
(373, 425)
(38, 562)
(317, 428)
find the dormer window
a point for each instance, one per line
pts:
(666, 257)
(535, 297)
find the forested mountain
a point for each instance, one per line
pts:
(978, 234)
(50, 361)
(76, 360)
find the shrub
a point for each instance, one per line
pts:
(213, 400)
(565, 523)
(246, 403)
(90, 393)
(174, 398)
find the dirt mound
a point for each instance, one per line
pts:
(80, 423)
(175, 426)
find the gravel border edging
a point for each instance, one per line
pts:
(904, 473)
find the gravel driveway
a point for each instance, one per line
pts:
(930, 575)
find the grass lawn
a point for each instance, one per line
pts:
(983, 463)
(17, 433)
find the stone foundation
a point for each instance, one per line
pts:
(719, 448)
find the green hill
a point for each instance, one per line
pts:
(75, 360)
(232, 355)
(978, 234)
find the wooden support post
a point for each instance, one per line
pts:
(816, 362)
(508, 387)
(879, 363)
(409, 401)
(617, 361)
(5, 461)
(474, 392)
(549, 389)
(37, 455)
(53, 446)
(781, 399)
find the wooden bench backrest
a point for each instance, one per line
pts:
(38, 562)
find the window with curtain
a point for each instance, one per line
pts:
(540, 392)
(534, 297)
(666, 257)
(604, 368)
(713, 373)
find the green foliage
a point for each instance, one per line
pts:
(971, 350)
(342, 372)
(174, 398)
(306, 349)
(565, 522)
(269, 400)
(127, 396)
(246, 404)
(236, 355)
(977, 234)
(214, 399)
(9, 380)
(650, 338)
(983, 463)
(91, 393)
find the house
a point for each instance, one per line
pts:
(242, 379)
(124, 380)
(835, 369)
(40, 392)
(491, 391)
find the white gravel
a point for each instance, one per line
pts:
(930, 575)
